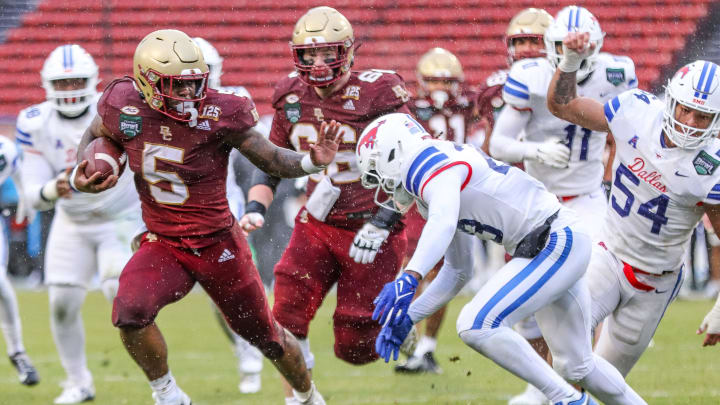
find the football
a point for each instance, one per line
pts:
(105, 156)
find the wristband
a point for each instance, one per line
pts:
(310, 167)
(571, 61)
(71, 180)
(49, 192)
(255, 206)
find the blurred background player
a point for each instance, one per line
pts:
(340, 214)
(250, 359)
(90, 234)
(187, 131)
(10, 161)
(445, 109)
(567, 158)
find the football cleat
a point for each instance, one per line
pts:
(27, 374)
(75, 394)
(574, 400)
(179, 398)
(250, 383)
(416, 365)
(531, 396)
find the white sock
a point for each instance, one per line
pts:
(304, 396)
(512, 352)
(164, 386)
(10, 316)
(67, 328)
(290, 401)
(608, 385)
(250, 358)
(426, 344)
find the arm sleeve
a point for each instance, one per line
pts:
(35, 172)
(442, 195)
(504, 144)
(456, 271)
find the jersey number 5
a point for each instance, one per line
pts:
(178, 193)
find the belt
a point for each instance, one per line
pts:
(566, 198)
(630, 272)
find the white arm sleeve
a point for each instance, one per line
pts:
(456, 271)
(442, 196)
(35, 172)
(504, 144)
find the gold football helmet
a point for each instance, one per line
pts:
(529, 23)
(439, 74)
(171, 73)
(322, 27)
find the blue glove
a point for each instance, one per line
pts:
(394, 299)
(391, 338)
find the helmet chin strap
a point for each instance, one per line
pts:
(439, 98)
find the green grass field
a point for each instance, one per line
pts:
(675, 371)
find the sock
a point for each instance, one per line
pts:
(426, 344)
(164, 385)
(10, 317)
(290, 401)
(304, 396)
(67, 329)
(608, 385)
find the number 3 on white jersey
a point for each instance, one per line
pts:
(179, 191)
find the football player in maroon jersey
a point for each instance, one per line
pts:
(178, 134)
(339, 214)
(445, 107)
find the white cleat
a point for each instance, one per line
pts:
(250, 383)
(176, 398)
(75, 394)
(314, 399)
(578, 399)
(531, 396)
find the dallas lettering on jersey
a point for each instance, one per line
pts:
(652, 178)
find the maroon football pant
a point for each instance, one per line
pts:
(159, 274)
(315, 259)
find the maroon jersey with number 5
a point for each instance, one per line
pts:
(180, 171)
(299, 111)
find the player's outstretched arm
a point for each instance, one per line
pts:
(562, 99)
(711, 323)
(285, 163)
(78, 180)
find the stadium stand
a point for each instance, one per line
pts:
(253, 35)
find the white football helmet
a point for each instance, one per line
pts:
(383, 147)
(574, 19)
(694, 86)
(70, 62)
(213, 60)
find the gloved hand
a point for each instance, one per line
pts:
(367, 242)
(553, 152)
(711, 325)
(391, 338)
(576, 48)
(394, 300)
(254, 217)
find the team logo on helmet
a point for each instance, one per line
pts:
(369, 138)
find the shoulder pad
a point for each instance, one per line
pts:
(497, 78)
(288, 87)
(32, 118)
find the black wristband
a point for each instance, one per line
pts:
(385, 218)
(255, 206)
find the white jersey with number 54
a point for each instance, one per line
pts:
(658, 192)
(526, 89)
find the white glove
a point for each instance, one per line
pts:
(711, 326)
(367, 243)
(553, 152)
(252, 221)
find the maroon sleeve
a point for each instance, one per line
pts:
(243, 115)
(279, 131)
(390, 94)
(107, 108)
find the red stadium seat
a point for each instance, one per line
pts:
(253, 35)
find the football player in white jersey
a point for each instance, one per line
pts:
(465, 194)
(250, 359)
(90, 233)
(10, 161)
(665, 178)
(568, 159)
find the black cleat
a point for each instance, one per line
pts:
(417, 365)
(27, 373)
